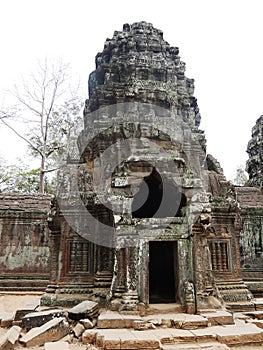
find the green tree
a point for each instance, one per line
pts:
(50, 113)
(19, 179)
(241, 176)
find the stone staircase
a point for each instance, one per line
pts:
(211, 330)
(236, 295)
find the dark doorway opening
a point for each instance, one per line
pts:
(158, 203)
(162, 273)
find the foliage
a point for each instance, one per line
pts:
(50, 114)
(19, 180)
(241, 176)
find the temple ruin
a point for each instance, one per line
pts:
(143, 215)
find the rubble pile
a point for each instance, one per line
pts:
(35, 325)
(86, 327)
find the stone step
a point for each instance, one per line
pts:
(258, 302)
(111, 320)
(244, 334)
(219, 317)
(164, 308)
(239, 334)
(240, 306)
(255, 314)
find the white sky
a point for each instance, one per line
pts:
(219, 40)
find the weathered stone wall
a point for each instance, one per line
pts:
(223, 236)
(24, 241)
(251, 237)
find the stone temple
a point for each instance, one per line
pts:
(143, 215)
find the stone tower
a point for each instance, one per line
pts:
(131, 222)
(255, 153)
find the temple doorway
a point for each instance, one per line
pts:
(162, 272)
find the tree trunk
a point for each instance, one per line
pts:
(41, 177)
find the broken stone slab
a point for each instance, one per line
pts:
(85, 309)
(179, 320)
(186, 321)
(53, 330)
(219, 317)
(87, 323)
(37, 319)
(31, 306)
(78, 330)
(58, 345)
(6, 319)
(142, 325)
(8, 340)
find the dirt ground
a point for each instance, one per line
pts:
(12, 302)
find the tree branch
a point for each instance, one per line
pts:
(22, 137)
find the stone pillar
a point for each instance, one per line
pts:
(203, 278)
(125, 284)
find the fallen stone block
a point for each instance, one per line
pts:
(85, 309)
(8, 340)
(53, 330)
(89, 336)
(78, 330)
(87, 323)
(7, 320)
(31, 306)
(58, 345)
(37, 319)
